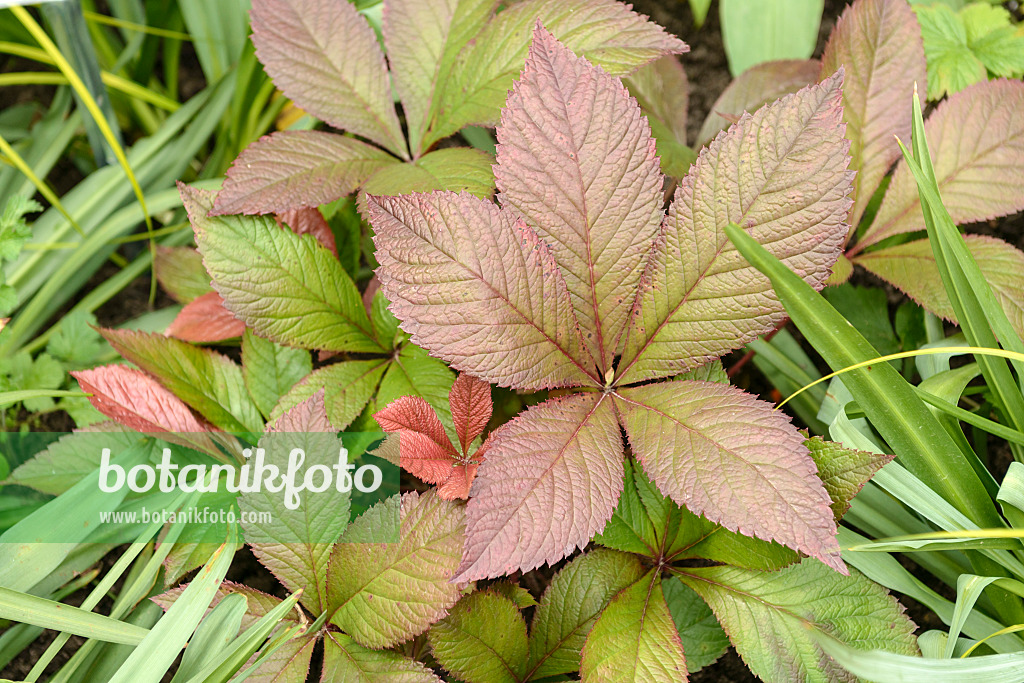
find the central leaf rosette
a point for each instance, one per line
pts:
(580, 279)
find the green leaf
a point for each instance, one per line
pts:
(482, 640)
(14, 232)
(415, 373)
(385, 324)
(384, 593)
(215, 632)
(346, 660)
(843, 471)
(993, 38)
(630, 529)
(454, 168)
(287, 287)
(952, 66)
(569, 607)
(868, 308)
(347, 385)
(204, 379)
(755, 32)
(181, 273)
(635, 638)
(29, 609)
(22, 372)
(771, 617)
(76, 343)
(700, 11)
(703, 639)
(71, 458)
(270, 370)
(662, 91)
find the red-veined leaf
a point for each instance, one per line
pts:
(470, 401)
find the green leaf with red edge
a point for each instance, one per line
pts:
(571, 604)
(347, 386)
(759, 85)
(384, 593)
(271, 370)
(606, 32)
(635, 639)
(457, 169)
(295, 545)
(205, 320)
(210, 383)
(348, 661)
(293, 169)
(180, 271)
(549, 483)
(422, 39)
(879, 44)
(325, 57)
(782, 174)
(911, 267)
(744, 465)
(769, 617)
(567, 127)
(482, 640)
(287, 287)
(478, 289)
(976, 139)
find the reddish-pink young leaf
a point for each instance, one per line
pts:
(309, 221)
(478, 289)
(781, 174)
(470, 401)
(576, 159)
(132, 398)
(879, 44)
(550, 481)
(759, 85)
(976, 140)
(720, 452)
(295, 169)
(205, 320)
(323, 55)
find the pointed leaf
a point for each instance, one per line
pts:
(631, 528)
(210, 383)
(549, 483)
(720, 452)
(323, 55)
(456, 169)
(293, 169)
(635, 639)
(911, 267)
(415, 373)
(287, 287)
(976, 138)
(309, 221)
(348, 661)
(571, 604)
(288, 664)
(205, 320)
(769, 617)
(703, 639)
(271, 370)
(781, 174)
(478, 289)
(181, 273)
(384, 593)
(663, 93)
(605, 32)
(295, 545)
(482, 640)
(470, 401)
(843, 471)
(347, 387)
(757, 86)
(426, 450)
(69, 459)
(576, 160)
(878, 42)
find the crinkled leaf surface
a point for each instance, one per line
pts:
(607, 33)
(549, 483)
(478, 289)
(720, 452)
(911, 267)
(348, 661)
(631, 528)
(347, 387)
(210, 383)
(951, 64)
(309, 221)
(571, 604)
(577, 161)
(470, 401)
(878, 42)
(297, 168)
(482, 640)
(781, 174)
(181, 273)
(976, 139)
(384, 593)
(769, 617)
(415, 373)
(296, 544)
(635, 639)
(702, 636)
(270, 370)
(324, 56)
(757, 86)
(844, 471)
(205, 320)
(287, 287)
(456, 169)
